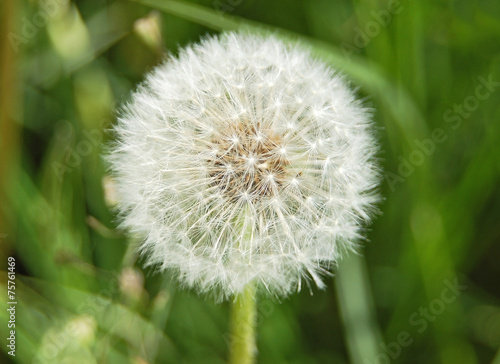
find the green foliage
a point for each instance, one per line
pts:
(425, 287)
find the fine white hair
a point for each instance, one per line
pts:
(245, 160)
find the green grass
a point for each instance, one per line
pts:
(84, 296)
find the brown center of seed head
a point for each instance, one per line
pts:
(247, 162)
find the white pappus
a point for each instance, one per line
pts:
(245, 160)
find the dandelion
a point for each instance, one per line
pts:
(245, 161)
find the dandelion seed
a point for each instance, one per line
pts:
(232, 176)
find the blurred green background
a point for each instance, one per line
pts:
(426, 286)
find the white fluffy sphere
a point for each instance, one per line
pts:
(244, 160)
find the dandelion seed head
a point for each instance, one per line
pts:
(245, 160)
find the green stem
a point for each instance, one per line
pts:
(243, 315)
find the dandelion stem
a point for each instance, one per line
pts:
(243, 315)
